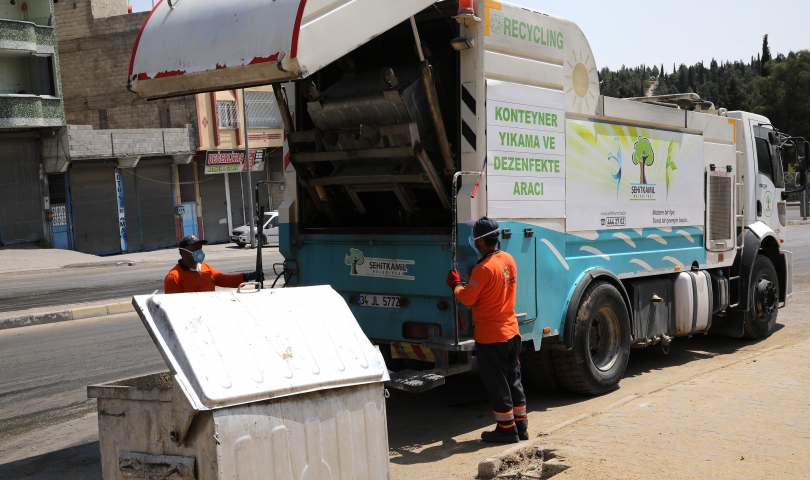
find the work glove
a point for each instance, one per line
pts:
(453, 279)
(252, 276)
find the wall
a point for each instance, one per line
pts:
(95, 45)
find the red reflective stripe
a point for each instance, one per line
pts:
(507, 426)
(138, 40)
(418, 351)
(296, 28)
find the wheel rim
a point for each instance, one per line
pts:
(603, 339)
(765, 297)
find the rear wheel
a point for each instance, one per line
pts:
(537, 371)
(601, 347)
(763, 294)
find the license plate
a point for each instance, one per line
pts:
(379, 301)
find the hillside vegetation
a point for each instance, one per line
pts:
(777, 87)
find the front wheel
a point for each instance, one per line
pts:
(763, 300)
(601, 346)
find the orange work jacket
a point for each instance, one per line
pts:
(182, 279)
(491, 293)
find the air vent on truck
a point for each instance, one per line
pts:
(719, 215)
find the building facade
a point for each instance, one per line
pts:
(31, 112)
(134, 172)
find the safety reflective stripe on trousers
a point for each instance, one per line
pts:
(469, 122)
(504, 416)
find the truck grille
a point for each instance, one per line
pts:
(719, 208)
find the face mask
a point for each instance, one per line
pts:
(198, 256)
(472, 244)
(472, 241)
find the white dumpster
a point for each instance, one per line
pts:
(271, 384)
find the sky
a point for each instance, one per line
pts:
(653, 32)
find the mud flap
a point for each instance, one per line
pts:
(730, 324)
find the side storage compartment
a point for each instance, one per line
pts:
(720, 300)
(693, 303)
(652, 302)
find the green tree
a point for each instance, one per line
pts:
(784, 96)
(766, 57)
(354, 258)
(735, 98)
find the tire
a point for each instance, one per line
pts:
(537, 371)
(601, 348)
(763, 297)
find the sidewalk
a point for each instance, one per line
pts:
(748, 420)
(15, 260)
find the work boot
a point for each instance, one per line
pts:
(523, 434)
(500, 435)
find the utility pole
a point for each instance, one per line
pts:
(253, 221)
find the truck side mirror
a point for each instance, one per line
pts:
(802, 155)
(773, 138)
(801, 179)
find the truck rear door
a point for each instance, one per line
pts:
(196, 46)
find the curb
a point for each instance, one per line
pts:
(793, 223)
(66, 315)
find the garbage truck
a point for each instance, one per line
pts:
(632, 221)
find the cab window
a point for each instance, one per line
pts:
(764, 157)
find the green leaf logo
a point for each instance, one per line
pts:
(670, 166)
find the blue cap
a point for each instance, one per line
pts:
(483, 227)
(191, 240)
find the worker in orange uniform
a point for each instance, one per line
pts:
(490, 292)
(191, 274)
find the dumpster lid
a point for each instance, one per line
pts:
(194, 46)
(229, 348)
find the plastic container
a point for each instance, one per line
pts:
(274, 384)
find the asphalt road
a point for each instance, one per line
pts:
(96, 284)
(46, 370)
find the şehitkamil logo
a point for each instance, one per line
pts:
(643, 156)
(377, 267)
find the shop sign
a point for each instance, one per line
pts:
(122, 220)
(233, 161)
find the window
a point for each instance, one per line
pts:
(764, 157)
(56, 188)
(262, 110)
(45, 73)
(769, 162)
(228, 114)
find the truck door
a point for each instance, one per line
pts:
(520, 243)
(770, 179)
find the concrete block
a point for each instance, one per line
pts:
(488, 468)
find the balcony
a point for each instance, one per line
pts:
(26, 111)
(27, 36)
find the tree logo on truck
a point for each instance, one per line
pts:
(643, 155)
(354, 258)
(378, 267)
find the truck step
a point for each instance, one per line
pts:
(415, 381)
(443, 343)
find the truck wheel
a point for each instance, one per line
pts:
(601, 347)
(763, 297)
(537, 371)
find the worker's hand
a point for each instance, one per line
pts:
(252, 276)
(453, 279)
